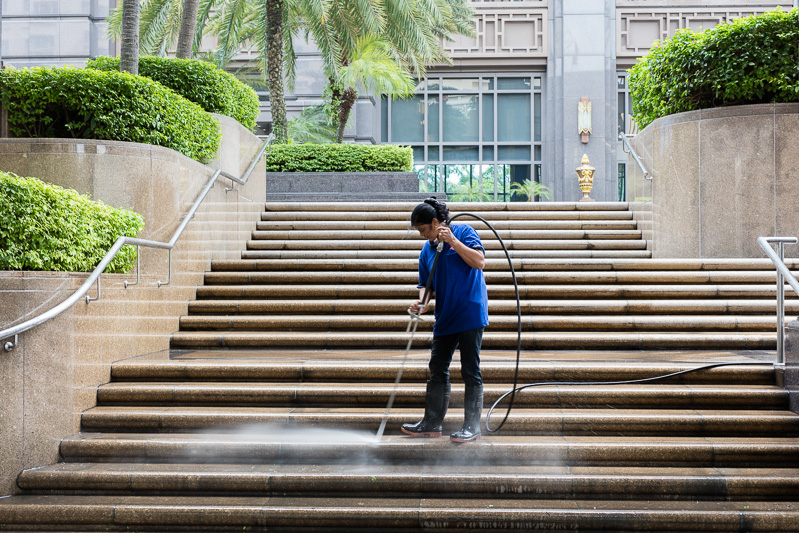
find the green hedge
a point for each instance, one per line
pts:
(90, 104)
(750, 60)
(339, 158)
(46, 227)
(211, 88)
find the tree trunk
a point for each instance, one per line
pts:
(129, 55)
(188, 23)
(274, 68)
(348, 98)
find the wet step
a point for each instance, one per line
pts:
(522, 420)
(435, 481)
(220, 513)
(309, 224)
(654, 395)
(269, 445)
(414, 254)
(376, 366)
(498, 323)
(251, 289)
(529, 340)
(380, 236)
(528, 307)
(576, 243)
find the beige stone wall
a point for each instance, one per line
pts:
(721, 178)
(53, 374)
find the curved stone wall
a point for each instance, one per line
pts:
(722, 178)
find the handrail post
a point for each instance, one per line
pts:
(780, 307)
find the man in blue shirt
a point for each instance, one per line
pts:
(461, 313)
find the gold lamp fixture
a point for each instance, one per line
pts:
(585, 177)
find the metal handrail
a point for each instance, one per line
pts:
(783, 273)
(624, 139)
(83, 290)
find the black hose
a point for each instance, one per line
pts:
(512, 392)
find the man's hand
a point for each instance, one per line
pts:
(417, 308)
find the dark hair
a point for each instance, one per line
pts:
(424, 213)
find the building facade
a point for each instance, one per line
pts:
(508, 108)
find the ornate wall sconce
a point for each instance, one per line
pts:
(584, 119)
(585, 177)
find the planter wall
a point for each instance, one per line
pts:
(343, 187)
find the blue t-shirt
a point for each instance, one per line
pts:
(461, 297)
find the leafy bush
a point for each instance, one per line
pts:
(46, 227)
(90, 104)
(211, 88)
(750, 60)
(339, 158)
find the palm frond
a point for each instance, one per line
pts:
(312, 126)
(159, 25)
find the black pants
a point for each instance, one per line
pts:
(443, 349)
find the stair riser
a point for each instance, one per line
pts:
(542, 244)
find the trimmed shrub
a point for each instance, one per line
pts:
(203, 83)
(339, 158)
(750, 60)
(90, 104)
(46, 227)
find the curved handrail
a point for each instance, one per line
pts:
(83, 290)
(623, 138)
(783, 274)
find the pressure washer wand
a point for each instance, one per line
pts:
(412, 324)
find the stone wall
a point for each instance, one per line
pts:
(721, 178)
(53, 373)
(344, 187)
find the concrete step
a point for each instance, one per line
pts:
(323, 214)
(498, 366)
(528, 307)
(517, 481)
(455, 207)
(403, 225)
(576, 243)
(661, 396)
(296, 255)
(498, 323)
(507, 340)
(248, 287)
(283, 514)
(268, 444)
(380, 236)
(597, 265)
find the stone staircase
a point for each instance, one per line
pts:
(263, 415)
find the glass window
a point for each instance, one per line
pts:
(407, 119)
(384, 119)
(433, 84)
(537, 116)
(460, 118)
(513, 153)
(461, 153)
(432, 118)
(513, 114)
(418, 153)
(432, 153)
(488, 117)
(488, 153)
(513, 83)
(464, 84)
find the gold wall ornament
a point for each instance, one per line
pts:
(584, 119)
(585, 177)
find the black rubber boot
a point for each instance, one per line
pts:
(435, 408)
(472, 414)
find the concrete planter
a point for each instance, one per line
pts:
(342, 186)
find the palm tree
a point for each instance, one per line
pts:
(529, 189)
(129, 53)
(274, 67)
(372, 67)
(312, 126)
(188, 22)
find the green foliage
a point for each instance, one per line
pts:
(469, 193)
(750, 60)
(90, 104)
(339, 158)
(529, 189)
(312, 126)
(203, 83)
(46, 227)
